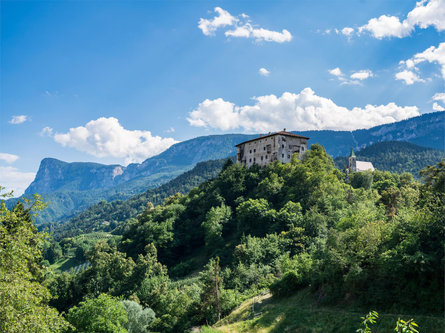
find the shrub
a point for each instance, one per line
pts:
(288, 284)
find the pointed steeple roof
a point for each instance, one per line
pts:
(352, 153)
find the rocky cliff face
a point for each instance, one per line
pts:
(55, 175)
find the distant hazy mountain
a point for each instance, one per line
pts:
(105, 215)
(427, 130)
(73, 187)
(396, 156)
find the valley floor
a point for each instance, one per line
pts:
(297, 314)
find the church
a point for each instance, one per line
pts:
(358, 166)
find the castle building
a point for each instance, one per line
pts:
(271, 147)
(357, 166)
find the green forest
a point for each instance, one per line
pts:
(301, 231)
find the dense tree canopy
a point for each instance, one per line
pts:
(374, 239)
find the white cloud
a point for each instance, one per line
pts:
(170, 130)
(208, 27)
(424, 15)
(106, 137)
(15, 120)
(303, 111)
(215, 113)
(428, 13)
(386, 26)
(439, 97)
(248, 31)
(409, 77)
(46, 131)
(438, 107)
(263, 71)
(13, 179)
(435, 55)
(336, 71)
(347, 31)
(355, 76)
(8, 158)
(242, 28)
(362, 75)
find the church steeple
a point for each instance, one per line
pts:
(352, 165)
(352, 153)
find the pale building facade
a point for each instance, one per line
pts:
(357, 166)
(271, 147)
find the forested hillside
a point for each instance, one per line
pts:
(374, 243)
(106, 215)
(396, 156)
(391, 156)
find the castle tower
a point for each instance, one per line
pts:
(352, 161)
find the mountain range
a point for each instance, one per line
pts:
(72, 187)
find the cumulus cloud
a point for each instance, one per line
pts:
(362, 75)
(14, 179)
(408, 77)
(439, 97)
(260, 34)
(15, 120)
(105, 137)
(241, 27)
(354, 78)
(46, 131)
(263, 71)
(303, 111)
(336, 72)
(347, 31)
(222, 19)
(438, 107)
(435, 55)
(425, 14)
(386, 26)
(8, 158)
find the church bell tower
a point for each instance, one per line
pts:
(352, 165)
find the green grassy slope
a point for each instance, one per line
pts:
(300, 313)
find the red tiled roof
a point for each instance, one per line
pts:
(272, 134)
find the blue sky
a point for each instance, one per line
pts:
(130, 78)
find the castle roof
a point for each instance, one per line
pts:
(272, 134)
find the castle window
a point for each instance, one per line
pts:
(288, 156)
(264, 148)
(266, 157)
(261, 158)
(254, 159)
(251, 151)
(282, 155)
(282, 146)
(254, 150)
(250, 160)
